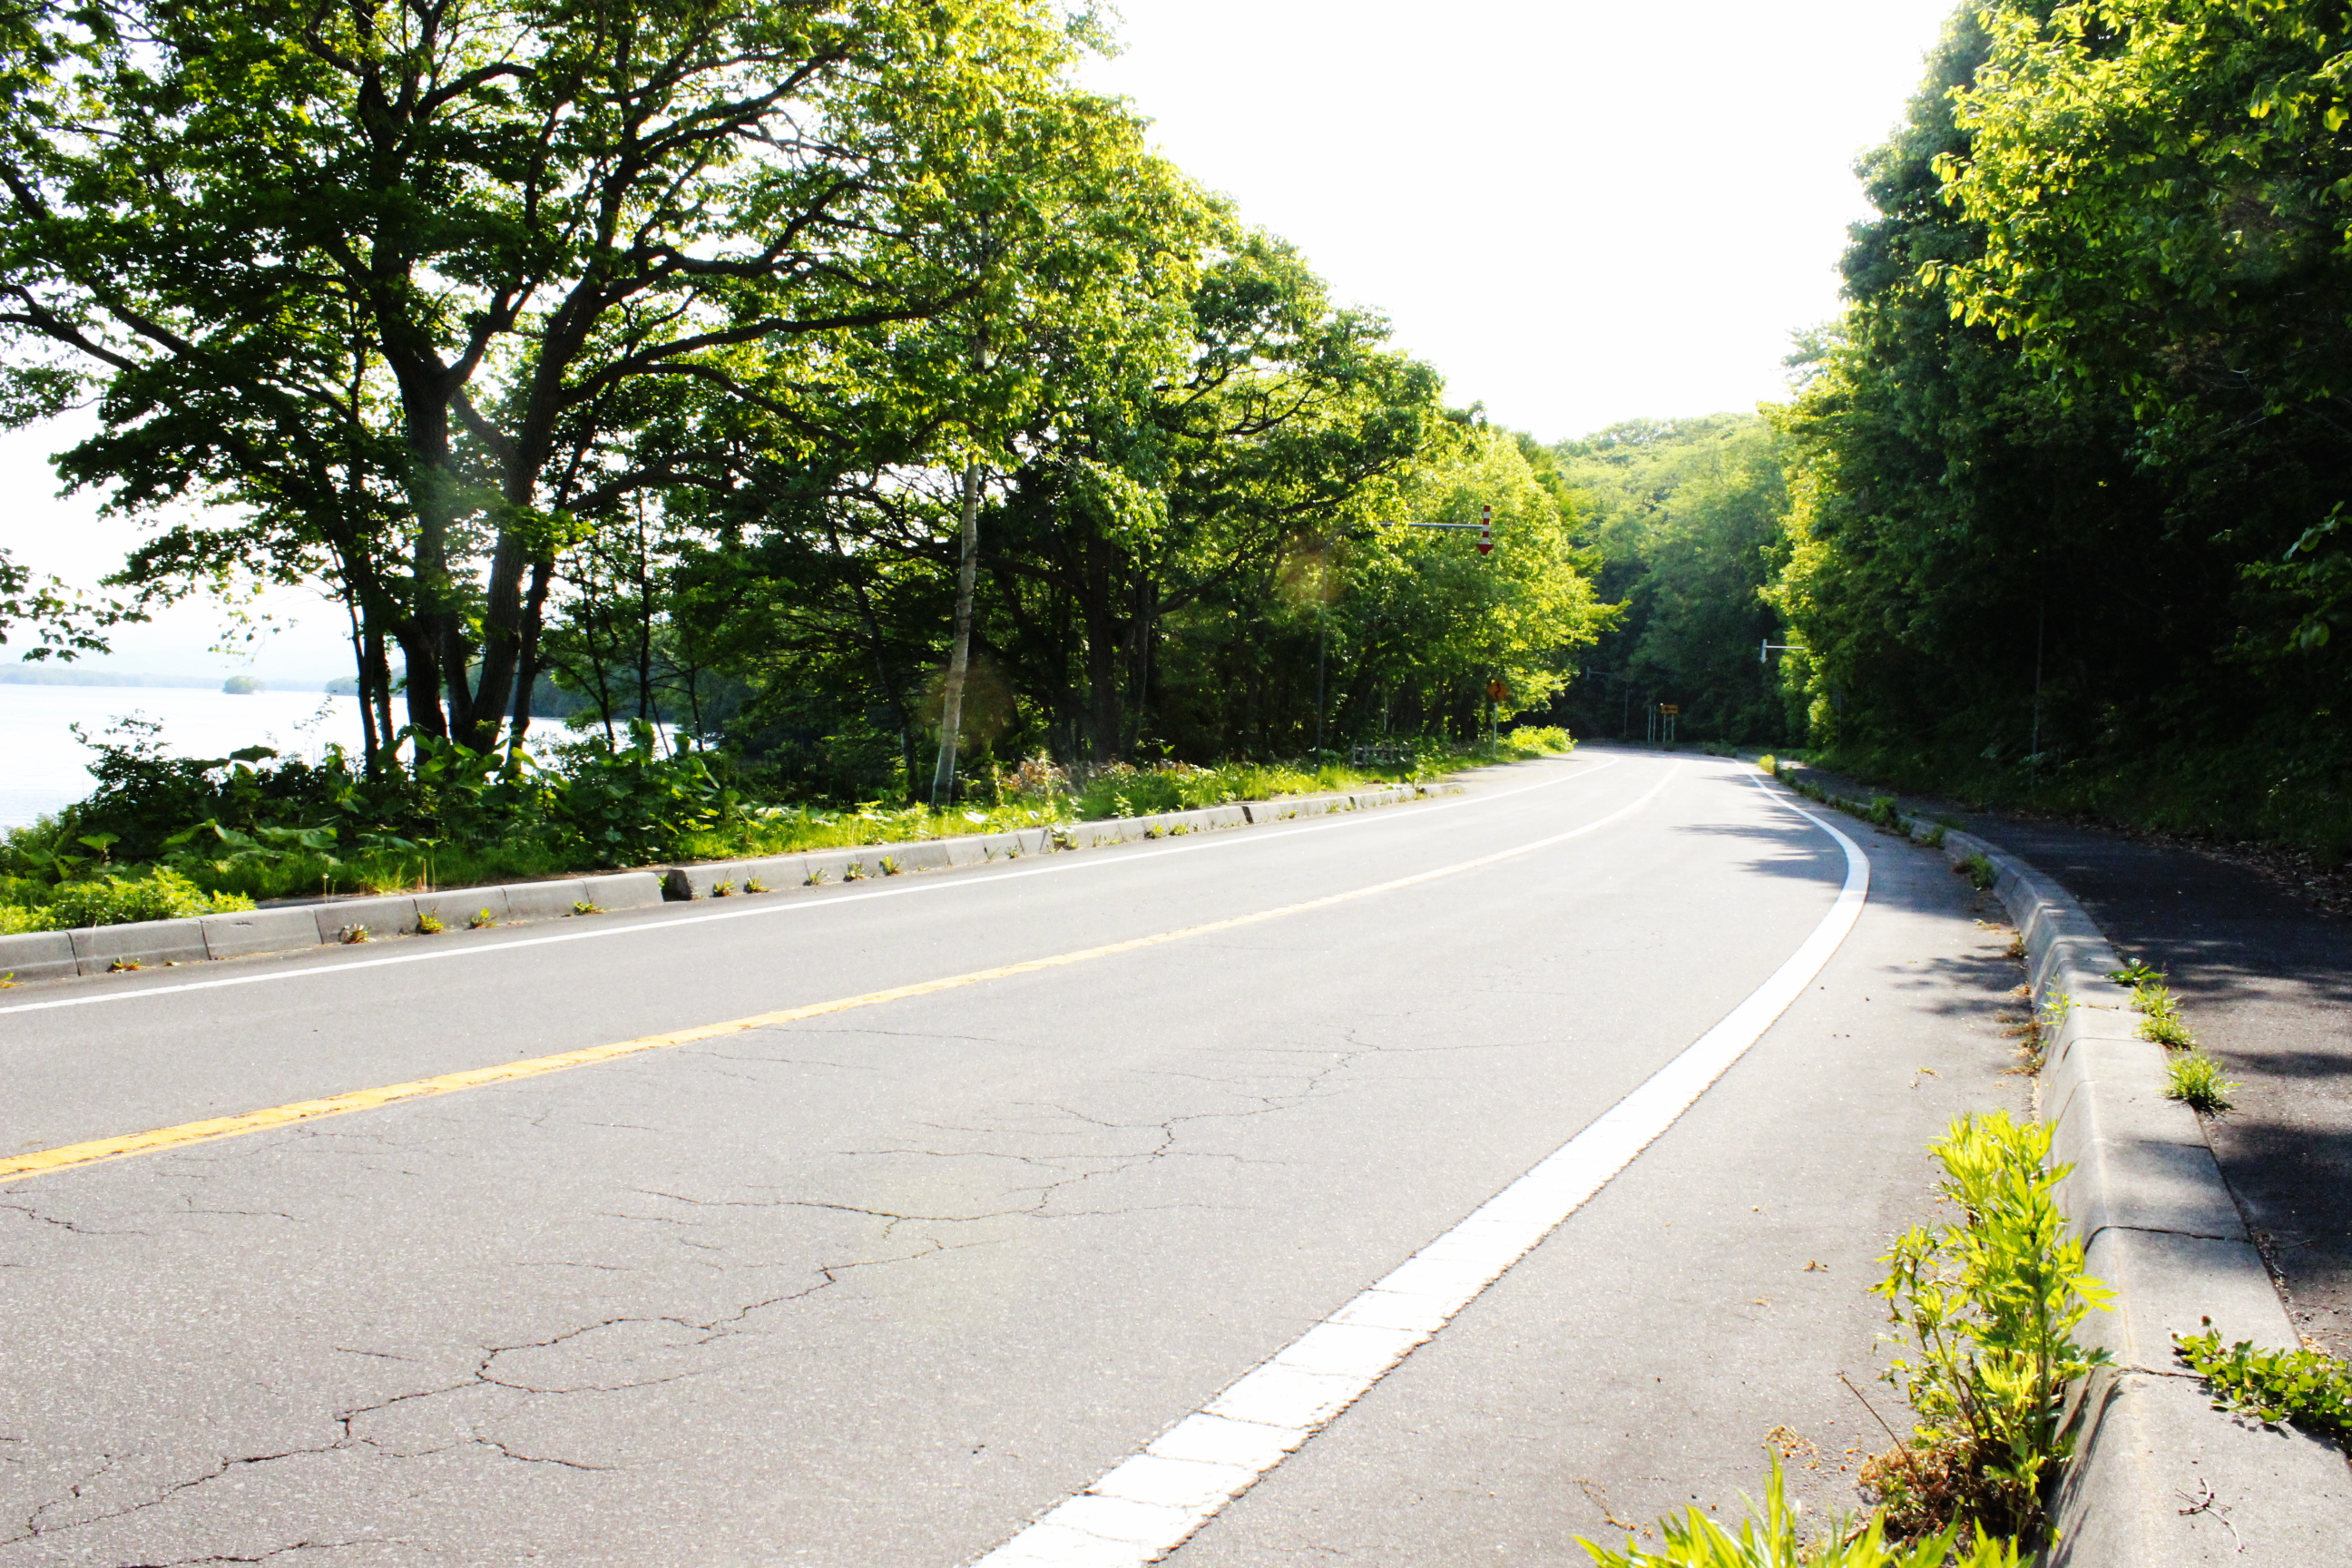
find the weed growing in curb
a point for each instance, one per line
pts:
(353, 935)
(429, 924)
(854, 872)
(120, 964)
(753, 885)
(815, 878)
(1882, 812)
(584, 907)
(1771, 1540)
(1979, 871)
(481, 920)
(722, 890)
(1934, 840)
(2168, 1032)
(2135, 974)
(8, 981)
(2195, 1079)
(889, 864)
(2301, 1387)
(1991, 1304)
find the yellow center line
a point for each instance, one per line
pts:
(96, 1150)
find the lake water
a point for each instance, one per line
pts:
(43, 767)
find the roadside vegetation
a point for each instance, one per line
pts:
(165, 835)
(1986, 1307)
(2304, 1388)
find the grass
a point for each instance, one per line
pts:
(1769, 1537)
(2195, 1079)
(1978, 871)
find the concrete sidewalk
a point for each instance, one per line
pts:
(2265, 981)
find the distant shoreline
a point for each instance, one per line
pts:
(37, 675)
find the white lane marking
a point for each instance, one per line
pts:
(753, 911)
(1149, 1504)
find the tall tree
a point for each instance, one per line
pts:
(427, 250)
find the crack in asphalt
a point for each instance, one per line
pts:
(1056, 1176)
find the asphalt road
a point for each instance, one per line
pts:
(875, 1287)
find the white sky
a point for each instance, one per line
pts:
(1579, 210)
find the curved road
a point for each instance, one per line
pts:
(878, 1285)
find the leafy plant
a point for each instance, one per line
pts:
(352, 934)
(1771, 1540)
(815, 878)
(2136, 974)
(429, 924)
(159, 893)
(722, 890)
(1934, 840)
(586, 907)
(480, 921)
(753, 885)
(1989, 1305)
(2195, 1079)
(2303, 1387)
(888, 865)
(1978, 871)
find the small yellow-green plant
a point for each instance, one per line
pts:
(429, 924)
(1768, 1538)
(481, 920)
(722, 890)
(2195, 1079)
(1979, 871)
(2303, 1387)
(889, 865)
(586, 907)
(1989, 1305)
(354, 934)
(753, 885)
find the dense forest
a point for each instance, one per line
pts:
(2054, 512)
(2066, 479)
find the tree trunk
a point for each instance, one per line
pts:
(959, 655)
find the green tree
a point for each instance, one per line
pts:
(394, 276)
(1684, 517)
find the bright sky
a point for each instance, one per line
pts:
(1579, 210)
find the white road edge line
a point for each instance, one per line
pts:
(674, 922)
(1150, 1503)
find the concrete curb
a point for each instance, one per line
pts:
(2160, 1478)
(96, 949)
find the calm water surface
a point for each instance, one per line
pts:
(43, 767)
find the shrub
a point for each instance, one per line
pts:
(157, 894)
(1979, 871)
(1991, 1304)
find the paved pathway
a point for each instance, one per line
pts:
(2265, 981)
(872, 1287)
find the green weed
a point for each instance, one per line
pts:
(2195, 1079)
(722, 890)
(120, 964)
(2135, 974)
(889, 865)
(1989, 1305)
(2168, 1032)
(584, 907)
(481, 920)
(2301, 1387)
(1978, 871)
(1771, 1540)
(351, 935)
(753, 885)
(429, 924)
(1934, 840)
(815, 878)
